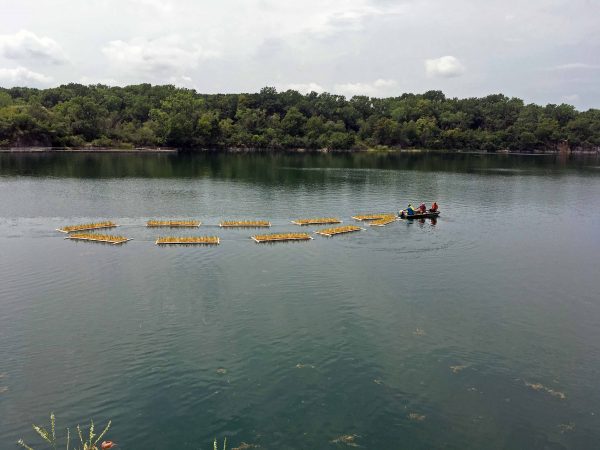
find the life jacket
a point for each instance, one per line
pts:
(410, 211)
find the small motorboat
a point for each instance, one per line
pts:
(428, 215)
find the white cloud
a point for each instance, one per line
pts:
(445, 67)
(156, 56)
(27, 45)
(303, 88)
(379, 87)
(21, 76)
(383, 84)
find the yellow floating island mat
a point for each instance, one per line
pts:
(87, 226)
(245, 224)
(188, 240)
(317, 221)
(338, 230)
(98, 238)
(280, 237)
(173, 223)
(383, 221)
(368, 217)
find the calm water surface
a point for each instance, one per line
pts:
(479, 331)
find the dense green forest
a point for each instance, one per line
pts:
(143, 115)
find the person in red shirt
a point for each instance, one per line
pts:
(434, 207)
(422, 208)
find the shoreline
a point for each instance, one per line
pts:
(86, 150)
(172, 150)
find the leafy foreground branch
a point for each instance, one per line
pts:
(90, 442)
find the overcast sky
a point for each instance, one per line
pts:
(542, 51)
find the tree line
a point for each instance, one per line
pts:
(143, 115)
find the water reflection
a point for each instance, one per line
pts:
(260, 167)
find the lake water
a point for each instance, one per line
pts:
(481, 331)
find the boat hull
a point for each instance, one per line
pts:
(427, 215)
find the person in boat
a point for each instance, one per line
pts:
(422, 208)
(409, 211)
(434, 207)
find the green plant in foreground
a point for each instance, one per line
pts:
(224, 444)
(89, 443)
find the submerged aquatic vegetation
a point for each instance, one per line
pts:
(304, 366)
(173, 223)
(317, 221)
(348, 439)
(541, 387)
(187, 240)
(417, 417)
(456, 369)
(245, 224)
(282, 237)
(338, 230)
(566, 427)
(90, 442)
(87, 226)
(245, 446)
(98, 238)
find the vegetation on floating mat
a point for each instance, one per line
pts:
(367, 217)
(317, 221)
(173, 223)
(87, 226)
(245, 223)
(187, 240)
(98, 238)
(282, 237)
(338, 230)
(383, 221)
